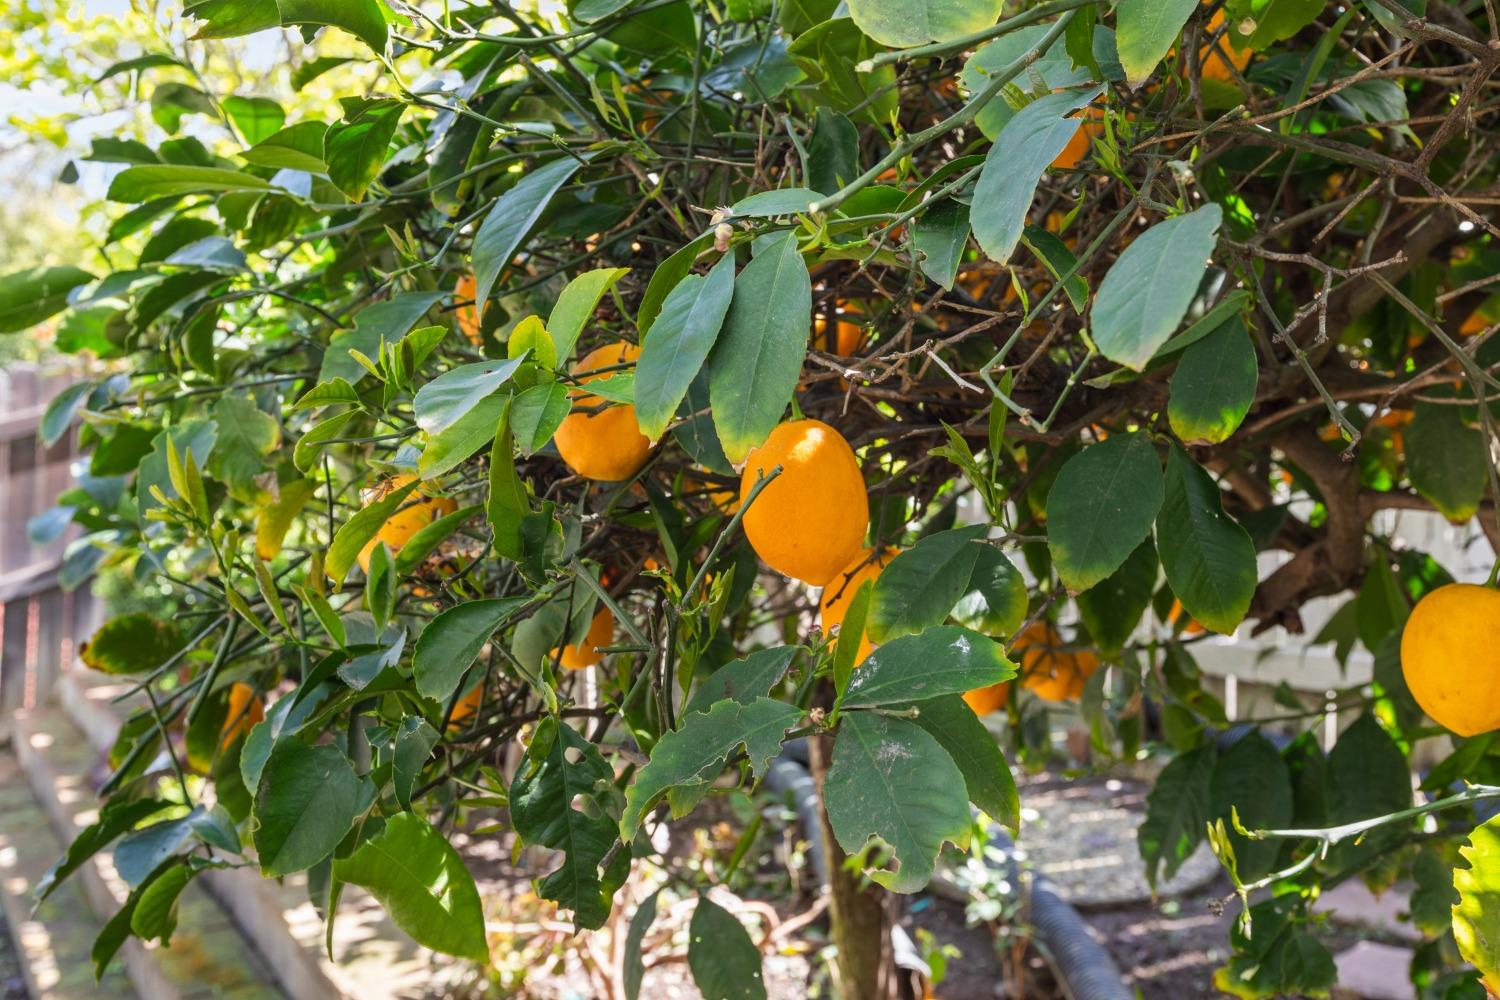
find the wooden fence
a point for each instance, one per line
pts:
(40, 623)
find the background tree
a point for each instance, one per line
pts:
(1155, 288)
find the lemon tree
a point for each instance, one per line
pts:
(546, 390)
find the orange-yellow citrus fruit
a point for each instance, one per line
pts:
(848, 335)
(1212, 57)
(1050, 672)
(245, 710)
(987, 699)
(467, 316)
(810, 522)
(839, 594)
(416, 512)
(586, 653)
(1078, 146)
(1450, 655)
(465, 707)
(603, 444)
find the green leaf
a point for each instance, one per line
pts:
(1214, 385)
(905, 23)
(355, 148)
(116, 817)
(744, 680)
(361, 18)
(1113, 607)
(681, 338)
(375, 326)
(1150, 285)
(1101, 506)
(451, 642)
(1273, 20)
(38, 293)
(919, 587)
(942, 660)
(1273, 955)
(665, 278)
(306, 803)
(1013, 167)
(1145, 30)
(1055, 255)
(692, 754)
(1380, 607)
(364, 525)
(514, 214)
(193, 437)
(1251, 779)
(296, 147)
(420, 545)
(987, 777)
(891, 779)
(256, 118)
(1476, 915)
(845, 654)
(1368, 776)
(1445, 458)
(142, 851)
(724, 961)
(1208, 558)
(470, 432)
(832, 152)
(1177, 813)
(634, 968)
(996, 601)
(246, 436)
(305, 451)
(422, 883)
(507, 504)
(130, 644)
(537, 413)
(562, 772)
(60, 411)
(770, 204)
(940, 235)
(148, 182)
(576, 304)
(758, 358)
(155, 913)
(440, 403)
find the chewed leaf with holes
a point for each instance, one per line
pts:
(693, 754)
(892, 780)
(561, 771)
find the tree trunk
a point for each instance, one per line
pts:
(858, 910)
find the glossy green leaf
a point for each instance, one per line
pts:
(422, 883)
(375, 325)
(512, 217)
(361, 18)
(355, 148)
(1445, 458)
(1101, 506)
(30, 296)
(1177, 813)
(1147, 290)
(996, 600)
(1113, 607)
(454, 444)
(440, 403)
(296, 147)
(941, 660)
(1013, 167)
(744, 680)
(634, 966)
(681, 338)
(256, 118)
(451, 642)
(919, 587)
(723, 960)
(1214, 385)
(148, 182)
(1251, 780)
(537, 413)
(1145, 31)
(755, 364)
(940, 235)
(1208, 558)
(892, 780)
(362, 526)
(576, 304)
(905, 23)
(305, 805)
(986, 775)
(507, 504)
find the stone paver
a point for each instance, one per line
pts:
(1352, 903)
(1374, 971)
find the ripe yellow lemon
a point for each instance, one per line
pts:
(1450, 655)
(586, 653)
(465, 707)
(467, 316)
(415, 513)
(605, 444)
(848, 335)
(810, 522)
(839, 594)
(1078, 146)
(1052, 673)
(1212, 58)
(245, 710)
